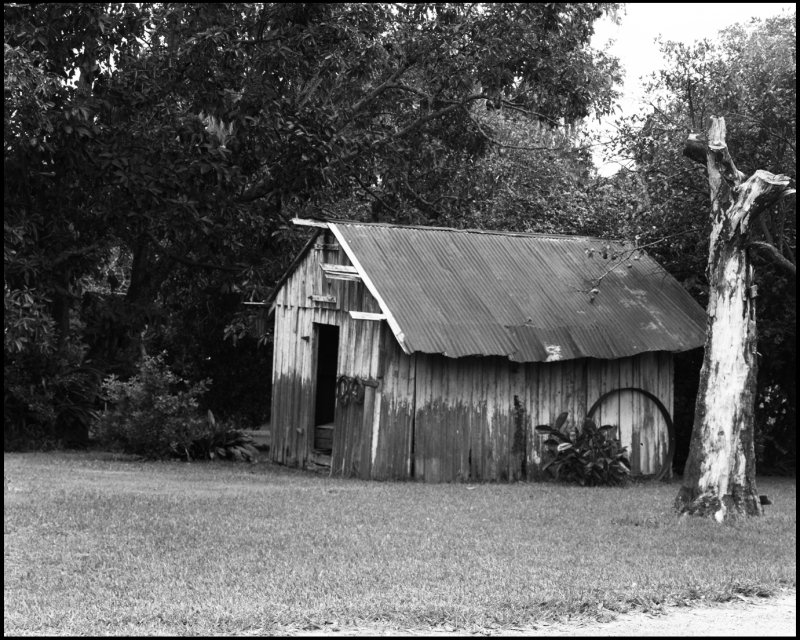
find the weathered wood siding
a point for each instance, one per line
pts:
(294, 360)
(393, 430)
(473, 418)
(435, 418)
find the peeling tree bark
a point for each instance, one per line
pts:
(719, 478)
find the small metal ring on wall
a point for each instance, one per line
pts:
(356, 390)
(350, 389)
(665, 467)
(343, 389)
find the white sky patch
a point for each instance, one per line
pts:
(633, 42)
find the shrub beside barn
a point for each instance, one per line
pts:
(430, 353)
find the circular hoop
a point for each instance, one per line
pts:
(667, 465)
(343, 389)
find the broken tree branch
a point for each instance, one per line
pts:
(772, 252)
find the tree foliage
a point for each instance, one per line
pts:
(154, 154)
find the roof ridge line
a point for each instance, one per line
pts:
(523, 234)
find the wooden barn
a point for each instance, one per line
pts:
(431, 354)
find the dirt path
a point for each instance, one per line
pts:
(752, 617)
(760, 617)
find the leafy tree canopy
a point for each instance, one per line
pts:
(154, 153)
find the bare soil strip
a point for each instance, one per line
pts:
(760, 617)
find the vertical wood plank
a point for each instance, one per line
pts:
(423, 415)
(365, 457)
(610, 382)
(467, 411)
(342, 414)
(500, 423)
(291, 440)
(594, 388)
(665, 386)
(546, 416)
(276, 418)
(656, 449)
(485, 389)
(626, 413)
(462, 427)
(433, 462)
(569, 370)
(669, 388)
(438, 423)
(412, 409)
(442, 423)
(518, 435)
(378, 365)
(639, 404)
(449, 442)
(476, 426)
(485, 421)
(532, 399)
(305, 388)
(420, 435)
(355, 423)
(501, 419)
(513, 414)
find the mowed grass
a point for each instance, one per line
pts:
(97, 545)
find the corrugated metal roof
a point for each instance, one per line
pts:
(522, 296)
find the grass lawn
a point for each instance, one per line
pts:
(98, 545)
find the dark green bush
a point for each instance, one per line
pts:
(156, 414)
(587, 456)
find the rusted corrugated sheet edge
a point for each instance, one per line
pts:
(398, 332)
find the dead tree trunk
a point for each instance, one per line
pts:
(720, 475)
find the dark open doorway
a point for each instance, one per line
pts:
(327, 341)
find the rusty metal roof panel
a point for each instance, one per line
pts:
(523, 296)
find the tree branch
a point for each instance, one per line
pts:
(435, 114)
(765, 230)
(514, 107)
(421, 203)
(389, 83)
(772, 252)
(259, 190)
(376, 196)
(496, 142)
(719, 148)
(757, 194)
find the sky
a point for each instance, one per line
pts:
(640, 24)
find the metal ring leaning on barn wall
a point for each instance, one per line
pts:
(665, 467)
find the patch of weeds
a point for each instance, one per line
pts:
(752, 590)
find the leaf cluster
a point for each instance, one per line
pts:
(588, 456)
(222, 443)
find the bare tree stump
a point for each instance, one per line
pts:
(720, 476)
